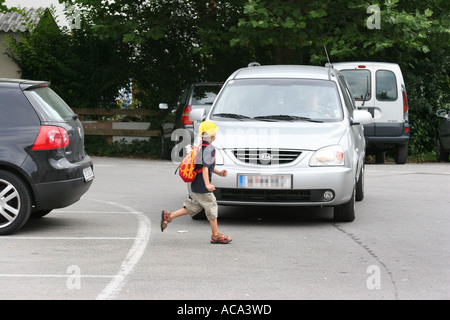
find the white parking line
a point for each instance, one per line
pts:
(131, 260)
(134, 254)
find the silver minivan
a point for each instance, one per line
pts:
(379, 88)
(289, 136)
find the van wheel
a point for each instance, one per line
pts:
(402, 154)
(346, 212)
(379, 156)
(15, 203)
(441, 155)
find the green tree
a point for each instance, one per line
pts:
(81, 66)
(414, 34)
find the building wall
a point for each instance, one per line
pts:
(8, 68)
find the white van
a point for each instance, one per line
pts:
(378, 87)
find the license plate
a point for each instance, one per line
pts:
(278, 181)
(88, 174)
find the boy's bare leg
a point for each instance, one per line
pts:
(214, 227)
(179, 213)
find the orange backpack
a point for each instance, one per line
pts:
(186, 170)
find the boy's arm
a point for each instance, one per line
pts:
(222, 173)
(205, 174)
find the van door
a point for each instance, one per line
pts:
(360, 79)
(389, 110)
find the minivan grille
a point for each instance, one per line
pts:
(266, 156)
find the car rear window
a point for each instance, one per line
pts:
(205, 94)
(54, 107)
(359, 82)
(386, 85)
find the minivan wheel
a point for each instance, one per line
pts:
(402, 154)
(360, 186)
(346, 212)
(15, 203)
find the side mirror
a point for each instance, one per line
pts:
(163, 106)
(197, 116)
(361, 117)
(442, 113)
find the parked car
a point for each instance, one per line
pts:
(289, 136)
(379, 88)
(443, 136)
(197, 95)
(43, 164)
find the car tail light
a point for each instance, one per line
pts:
(405, 105)
(185, 116)
(51, 137)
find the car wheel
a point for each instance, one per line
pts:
(15, 203)
(165, 152)
(379, 156)
(360, 186)
(200, 216)
(441, 155)
(402, 154)
(346, 211)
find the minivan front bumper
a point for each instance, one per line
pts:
(309, 185)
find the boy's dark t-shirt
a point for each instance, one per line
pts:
(208, 160)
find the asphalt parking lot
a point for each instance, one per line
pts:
(109, 246)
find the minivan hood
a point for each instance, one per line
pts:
(278, 135)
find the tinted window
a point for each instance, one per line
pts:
(359, 82)
(205, 94)
(315, 99)
(15, 110)
(51, 104)
(386, 85)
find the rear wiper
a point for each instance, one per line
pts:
(231, 115)
(285, 117)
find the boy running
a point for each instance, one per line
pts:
(202, 189)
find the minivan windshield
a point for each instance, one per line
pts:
(279, 100)
(51, 104)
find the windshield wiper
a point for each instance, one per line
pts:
(231, 115)
(285, 117)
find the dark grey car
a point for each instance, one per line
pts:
(197, 95)
(443, 136)
(43, 164)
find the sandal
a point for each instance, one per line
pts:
(165, 219)
(220, 238)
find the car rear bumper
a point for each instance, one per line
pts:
(56, 183)
(387, 133)
(60, 194)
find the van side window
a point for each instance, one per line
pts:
(347, 95)
(386, 85)
(359, 82)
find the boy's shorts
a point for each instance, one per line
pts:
(201, 201)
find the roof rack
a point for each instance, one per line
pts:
(254, 64)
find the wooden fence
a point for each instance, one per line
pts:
(106, 127)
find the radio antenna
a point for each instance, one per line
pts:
(328, 58)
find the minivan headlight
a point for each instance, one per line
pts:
(328, 156)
